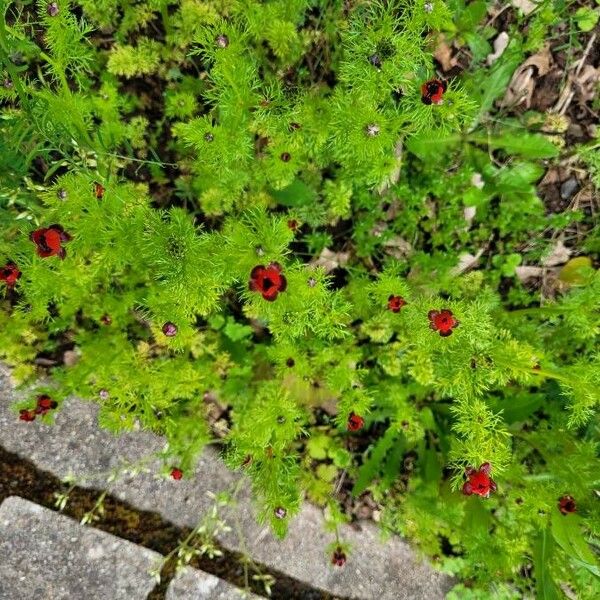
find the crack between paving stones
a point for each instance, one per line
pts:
(20, 477)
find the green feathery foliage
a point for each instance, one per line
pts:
(265, 218)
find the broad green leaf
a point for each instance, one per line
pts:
(391, 466)
(317, 446)
(478, 45)
(295, 194)
(372, 465)
(542, 552)
(566, 530)
(237, 331)
(520, 407)
(326, 472)
(496, 79)
(428, 147)
(529, 145)
(574, 271)
(431, 470)
(518, 176)
(472, 15)
(586, 18)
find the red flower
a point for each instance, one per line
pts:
(10, 273)
(567, 505)
(395, 303)
(176, 473)
(99, 190)
(49, 241)
(268, 281)
(432, 91)
(293, 224)
(442, 321)
(45, 404)
(479, 481)
(26, 415)
(338, 558)
(355, 422)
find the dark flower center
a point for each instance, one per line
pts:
(433, 87)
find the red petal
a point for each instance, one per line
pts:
(36, 236)
(258, 269)
(282, 283)
(467, 489)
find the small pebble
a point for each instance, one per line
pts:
(568, 188)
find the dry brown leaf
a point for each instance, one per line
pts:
(443, 54)
(520, 89)
(559, 255)
(70, 358)
(526, 6)
(500, 45)
(398, 248)
(587, 82)
(526, 272)
(467, 261)
(552, 176)
(330, 260)
(469, 213)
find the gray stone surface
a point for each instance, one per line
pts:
(191, 584)
(387, 570)
(47, 556)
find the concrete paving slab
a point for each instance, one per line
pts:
(191, 584)
(388, 570)
(47, 556)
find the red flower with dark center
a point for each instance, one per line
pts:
(293, 224)
(49, 241)
(176, 473)
(442, 321)
(45, 404)
(479, 481)
(355, 422)
(99, 190)
(268, 281)
(26, 415)
(567, 505)
(10, 273)
(432, 91)
(395, 303)
(338, 558)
